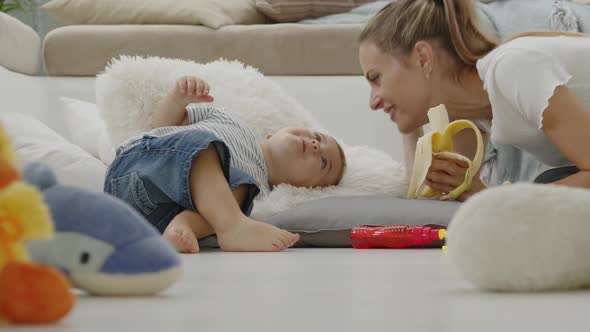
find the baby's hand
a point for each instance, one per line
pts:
(190, 89)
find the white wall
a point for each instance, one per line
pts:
(340, 103)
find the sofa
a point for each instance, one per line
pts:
(203, 31)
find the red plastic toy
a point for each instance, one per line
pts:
(397, 236)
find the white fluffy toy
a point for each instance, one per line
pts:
(523, 237)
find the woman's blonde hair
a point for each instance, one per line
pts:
(451, 23)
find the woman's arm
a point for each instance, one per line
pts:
(171, 110)
(567, 124)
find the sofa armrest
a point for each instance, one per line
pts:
(20, 46)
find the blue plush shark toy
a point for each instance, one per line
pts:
(103, 245)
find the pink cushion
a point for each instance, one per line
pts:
(296, 10)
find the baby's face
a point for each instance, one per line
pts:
(306, 158)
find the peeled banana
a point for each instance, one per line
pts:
(439, 142)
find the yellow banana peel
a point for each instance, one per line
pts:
(439, 142)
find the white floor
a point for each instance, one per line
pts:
(326, 290)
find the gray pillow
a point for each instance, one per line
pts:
(327, 222)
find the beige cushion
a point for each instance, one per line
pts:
(296, 10)
(276, 49)
(211, 13)
(20, 46)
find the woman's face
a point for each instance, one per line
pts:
(400, 88)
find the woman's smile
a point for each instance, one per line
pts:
(392, 111)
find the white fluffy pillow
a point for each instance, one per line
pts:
(369, 172)
(128, 90)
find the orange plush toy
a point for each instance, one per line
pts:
(29, 293)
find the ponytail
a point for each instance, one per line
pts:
(453, 23)
(469, 42)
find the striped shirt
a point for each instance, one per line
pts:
(246, 154)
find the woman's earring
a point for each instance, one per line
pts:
(429, 71)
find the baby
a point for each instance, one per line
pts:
(198, 172)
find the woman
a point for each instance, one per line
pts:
(533, 92)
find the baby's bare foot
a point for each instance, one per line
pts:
(182, 239)
(252, 235)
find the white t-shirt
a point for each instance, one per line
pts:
(521, 76)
